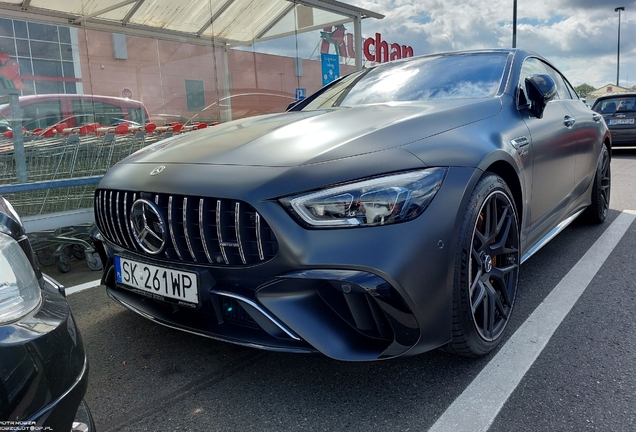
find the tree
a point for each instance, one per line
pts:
(584, 89)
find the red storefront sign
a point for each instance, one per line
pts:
(383, 52)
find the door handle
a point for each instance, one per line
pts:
(597, 117)
(569, 121)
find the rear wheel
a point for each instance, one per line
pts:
(596, 212)
(487, 263)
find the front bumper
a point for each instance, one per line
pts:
(350, 294)
(43, 369)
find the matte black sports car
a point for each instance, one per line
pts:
(43, 367)
(619, 111)
(385, 215)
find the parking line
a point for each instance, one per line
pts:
(478, 406)
(82, 287)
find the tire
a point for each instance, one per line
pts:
(45, 257)
(78, 252)
(63, 264)
(93, 261)
(487, 269)
(596, 212)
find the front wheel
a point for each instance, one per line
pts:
(487, 268)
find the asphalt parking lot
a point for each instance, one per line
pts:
(568, 364)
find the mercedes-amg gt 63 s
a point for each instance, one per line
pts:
(385, 215)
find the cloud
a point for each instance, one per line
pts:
(577, 36)
(596, 4)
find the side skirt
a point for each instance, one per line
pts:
(550, 235)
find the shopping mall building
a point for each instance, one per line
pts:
(181, 62)
(207, 61)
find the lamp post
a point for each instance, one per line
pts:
(618, 49)
(514, 24)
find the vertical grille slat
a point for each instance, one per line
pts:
(121, 230)
(171, 227)
(113, 218)
(185, 229)
(237, 227)
(202, 231)
(99, 220)
(259, 240)
(220, 232)
(109, 218)
(130, 236)
(102, 202)
(100, 212)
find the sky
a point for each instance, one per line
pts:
(579, 37)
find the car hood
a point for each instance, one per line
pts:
(300, 138)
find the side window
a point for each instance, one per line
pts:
(137, 115)
(108, 114)
(626, 104)
(615, 104)
(608, 106)
(562, 88)
(41, 114)
(83, 112)
(87, 111)
(572, 91)
(531, 66)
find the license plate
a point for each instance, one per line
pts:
(158, 282)
(621, 121)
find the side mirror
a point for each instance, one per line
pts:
(540, 89)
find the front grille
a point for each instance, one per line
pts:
(200, 230)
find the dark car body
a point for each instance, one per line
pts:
(339, 226)
(43, 365)
(619, 112)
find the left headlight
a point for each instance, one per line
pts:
(378, 201)
(19, 288)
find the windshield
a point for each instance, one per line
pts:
(618, 105)
(455, 76)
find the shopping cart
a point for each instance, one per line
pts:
(58, 153)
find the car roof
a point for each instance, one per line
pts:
(615, 96)
(56, 96)
(518, 51)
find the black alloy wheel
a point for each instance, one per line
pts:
(596, 212)
(488, 258)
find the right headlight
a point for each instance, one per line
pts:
(19, 288)
(377, 201)
(10, 222)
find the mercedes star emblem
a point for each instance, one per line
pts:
(157, 170)
(147, 226)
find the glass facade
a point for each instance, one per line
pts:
(42, 56)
